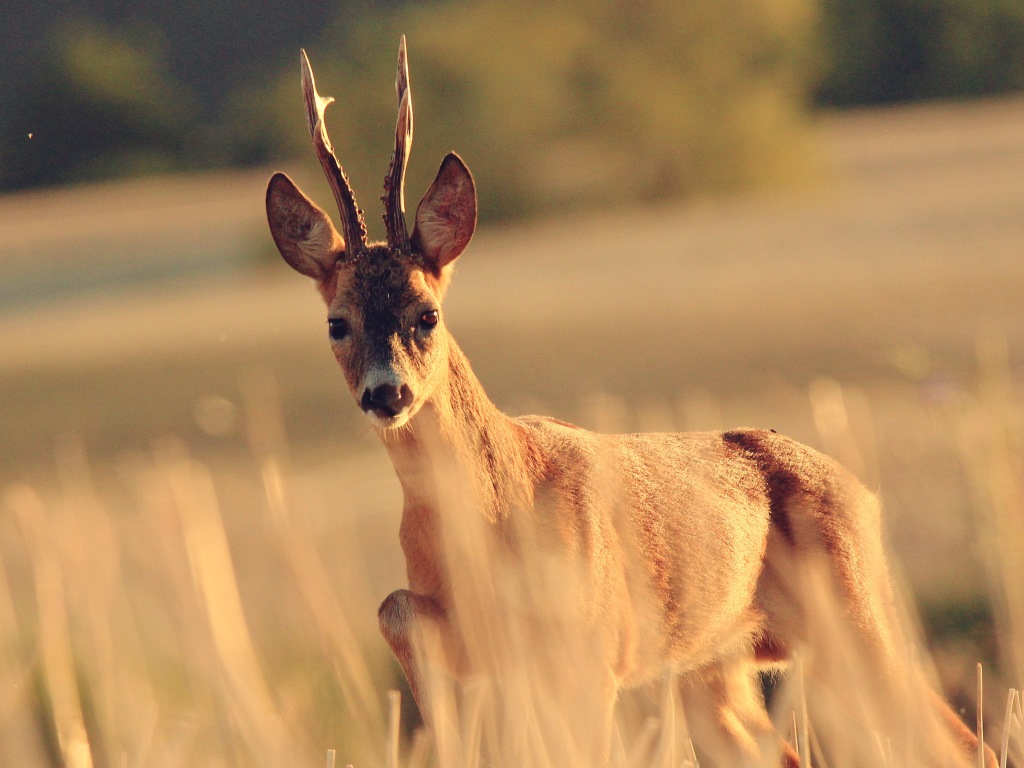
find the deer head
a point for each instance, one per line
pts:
(383, 299)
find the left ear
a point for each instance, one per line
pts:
(302, 231)
(446, 216)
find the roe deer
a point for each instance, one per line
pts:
(688, 547)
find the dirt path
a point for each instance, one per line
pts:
(919, 223)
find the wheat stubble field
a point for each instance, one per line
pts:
(197, 526)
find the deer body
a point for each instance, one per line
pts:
(679, 555)
(682, 550)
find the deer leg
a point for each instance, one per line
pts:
(881, 645)
(607, 693)
(726, 716)
(828, 588)
(413, 626)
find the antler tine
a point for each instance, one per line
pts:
(352, 223)
(394, 182)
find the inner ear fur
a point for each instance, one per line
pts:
(446, 216)
(302, 231)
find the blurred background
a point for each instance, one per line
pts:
(799, 214)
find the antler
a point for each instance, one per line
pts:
(352, 224)
(394, 182)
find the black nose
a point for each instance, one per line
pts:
(387, 399)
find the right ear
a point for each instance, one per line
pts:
(304, 234)
(446, 216)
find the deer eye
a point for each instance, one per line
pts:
(428, 319)
(337, 328)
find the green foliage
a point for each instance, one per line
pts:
(574, 105)
(897, 50)
(552, 105)
(101, 105)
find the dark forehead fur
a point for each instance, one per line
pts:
(381, 288)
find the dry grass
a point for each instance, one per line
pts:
(188, 613)
(215, 604)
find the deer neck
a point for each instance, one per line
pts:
(459, 442)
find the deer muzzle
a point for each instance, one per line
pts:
(386, 401)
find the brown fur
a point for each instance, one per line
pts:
(692, 548)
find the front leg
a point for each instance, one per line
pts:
(414, 627)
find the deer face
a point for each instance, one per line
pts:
(384, 315)
(383, 299)
(385, 326)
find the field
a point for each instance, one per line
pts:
(197, 526)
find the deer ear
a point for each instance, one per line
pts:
(304, 234)
(446, 216)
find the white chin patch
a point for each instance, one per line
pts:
(388, 422)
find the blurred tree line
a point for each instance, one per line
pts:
(550, 104)
(883, 51)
